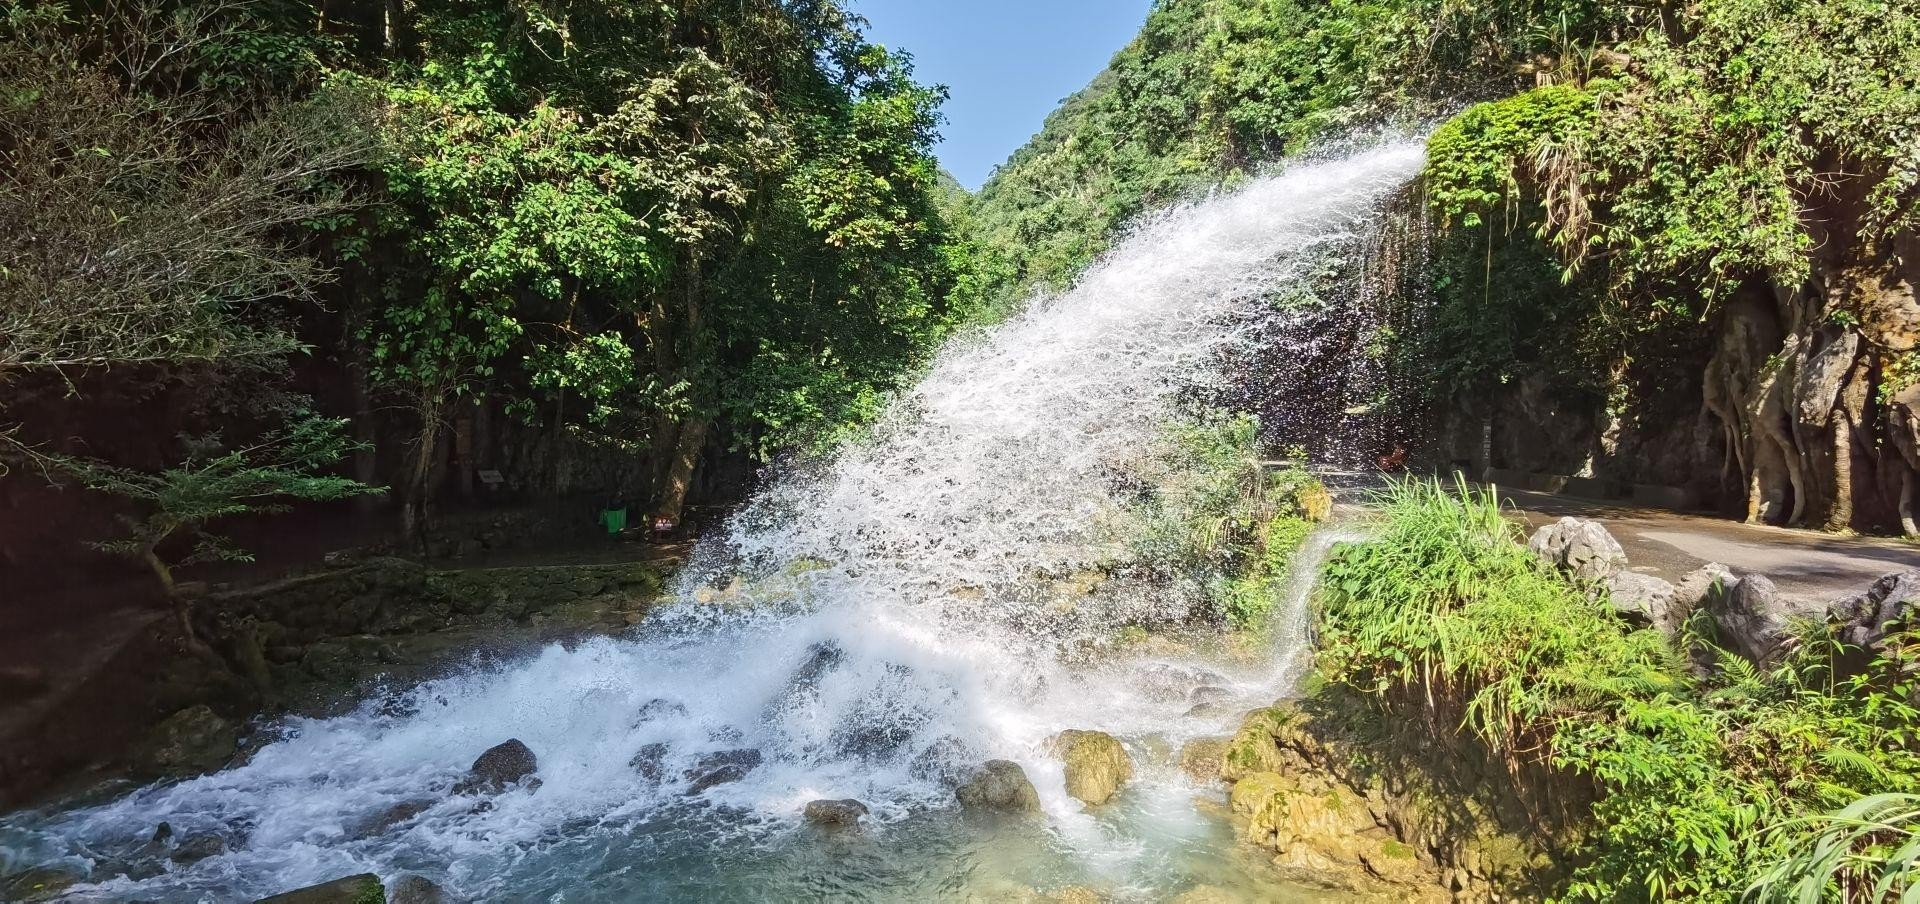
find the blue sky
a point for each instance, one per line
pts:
(1007, 62)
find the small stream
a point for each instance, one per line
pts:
(869, 627)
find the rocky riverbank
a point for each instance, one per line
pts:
(1387, 789)
(314, 645)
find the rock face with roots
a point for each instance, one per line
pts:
(1806, 412)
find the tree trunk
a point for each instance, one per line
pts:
(672, 499)
(676, 442)
(366, 461)
(181, 605)
(426, 443)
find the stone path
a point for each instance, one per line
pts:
(1807, 564)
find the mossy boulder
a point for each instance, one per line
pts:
(41, 883)
(1097, 764)
(1254, 748)
(836, 815)
(195, 739)
(1314, 502)
(362, 889)
(1321, 827)
(1203, 758)
(1000, 786)
(417, 890)
(1337, 796)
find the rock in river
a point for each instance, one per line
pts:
(999, 786)
(836, 815)
(199, 847)
(502, 765)
(416, 890)
(722, 768)
(362, 889)
(1097, 764)
(1202, 758)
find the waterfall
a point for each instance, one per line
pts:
(868, 626)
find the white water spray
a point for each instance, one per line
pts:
(867, 627)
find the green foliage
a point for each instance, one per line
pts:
(1445, 613)
(1211, 510)
(1473, 157)
(1498, 309)
(1212, 89)
(1698, 161)
(212, 484)
(1247, 598)
(612, 214)
(1868, 850)
(148, 183)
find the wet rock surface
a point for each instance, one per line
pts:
(502, 765)
(196, 848)
(722, 768)
(392, 817)
(361, 889)
(1000, 786)
(650, 761)
(195, 739)
(835, 815)
(416, 890)
(1202, 759)
(40, 883)
(657, 709)
(1097, 764)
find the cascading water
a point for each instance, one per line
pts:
(866, 628)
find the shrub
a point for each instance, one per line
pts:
(1445, 614)
(1212, 511)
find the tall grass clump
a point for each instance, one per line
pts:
(1691, 784)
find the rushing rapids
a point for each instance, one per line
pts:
(869, 627)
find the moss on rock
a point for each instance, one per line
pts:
(1097, 764)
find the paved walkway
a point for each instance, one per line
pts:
(1807, 564)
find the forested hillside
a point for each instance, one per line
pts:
(1665, 248)
(583, 244)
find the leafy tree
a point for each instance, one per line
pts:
(635, 224)
(144, 205)
(183, 501)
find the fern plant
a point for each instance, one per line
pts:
(1867, 851)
